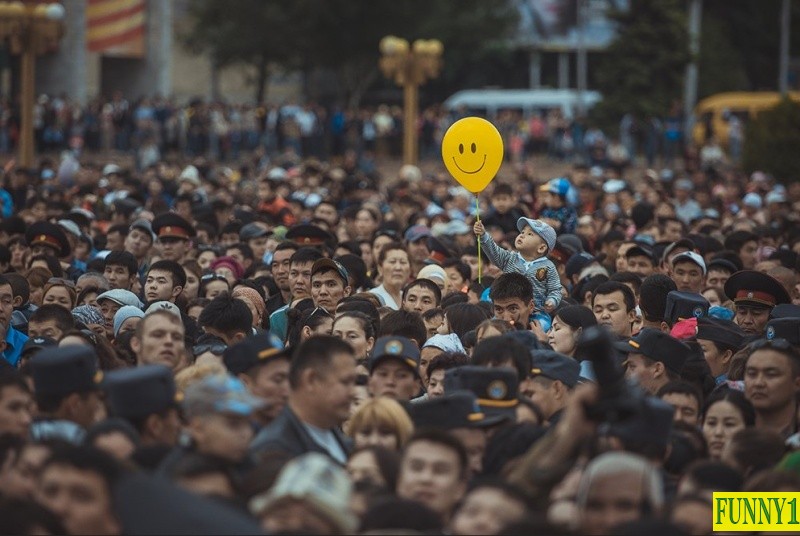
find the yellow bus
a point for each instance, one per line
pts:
(744, 104)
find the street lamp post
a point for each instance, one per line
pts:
(30, 28)
(410, 67)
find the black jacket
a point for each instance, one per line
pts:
(287, 434)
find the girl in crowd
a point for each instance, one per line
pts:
(726, 412)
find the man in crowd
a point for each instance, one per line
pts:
(394, 369)
(754, 294)
(322, 379)
(614, 306)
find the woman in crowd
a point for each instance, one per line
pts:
(358, 331)
(212, 285)
(307, 323)
(726, 412)
(193, 274)
(380, 422)
(60, 292)
(395, 269)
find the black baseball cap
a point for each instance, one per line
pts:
(658, 346)
(252, 351)
(556, 366)
(34, 344)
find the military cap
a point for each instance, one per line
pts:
(683, 305)
(134, 393)
(755, 289)
(171, 225)
(325, 264)
(306, 234)
(651, 424)
(253, 351)
(251, 231)
(459, 409)
(723, 332)
(784, 328)
(400, 348)
(496, 388)
(785, 310)
(60, 371)
(656, 345)
(545, 231)
(48, 234)
(555, 366)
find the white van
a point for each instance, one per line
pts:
(488, 102)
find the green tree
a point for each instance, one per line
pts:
(642, 70)
(771, 142)
(246, 32)
(342, 36)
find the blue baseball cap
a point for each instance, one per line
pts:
(542, 229)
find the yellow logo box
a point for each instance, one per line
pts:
(762, 512)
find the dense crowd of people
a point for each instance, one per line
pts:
(302, 345)
(151, 128)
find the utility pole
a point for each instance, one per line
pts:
(783, 75)
(690, 88)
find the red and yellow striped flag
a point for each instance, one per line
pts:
(116, 27)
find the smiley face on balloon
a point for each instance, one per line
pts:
(472, 150)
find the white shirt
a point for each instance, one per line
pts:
(327, 440)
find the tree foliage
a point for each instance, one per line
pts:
(343, 35)
(642, 70)
(772, 140)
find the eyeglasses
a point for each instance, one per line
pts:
(61, 281)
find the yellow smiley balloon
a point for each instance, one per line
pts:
(472, 150)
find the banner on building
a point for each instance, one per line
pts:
(116, 27)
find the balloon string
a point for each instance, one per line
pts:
(478, 215)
